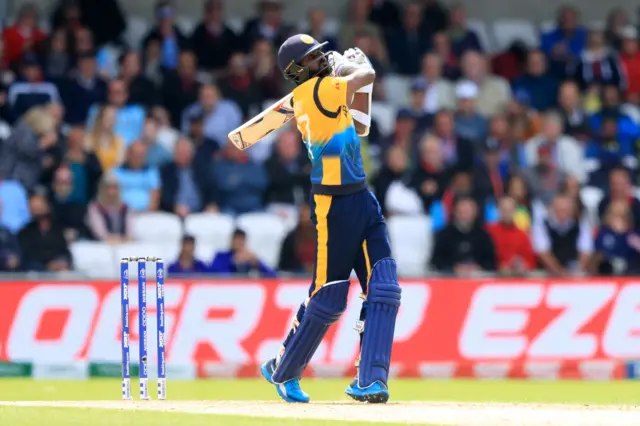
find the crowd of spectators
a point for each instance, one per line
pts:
(495, 148)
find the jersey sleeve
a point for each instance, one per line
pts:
(332, 93)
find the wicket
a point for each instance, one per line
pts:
(142, 327)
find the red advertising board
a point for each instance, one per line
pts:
(446, 327)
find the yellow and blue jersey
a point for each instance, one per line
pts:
(323, 118)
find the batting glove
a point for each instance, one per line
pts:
(357, 56)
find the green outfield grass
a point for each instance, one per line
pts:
(561, 392)
(29, 416)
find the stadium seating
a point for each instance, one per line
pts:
(186, 24)
(507, 31)
(210, 229)
(482, 31)
(137, 28)
(94, 259)
(411, 236)
(265, 233)
(411, 243)
(235, 24)
(385, 115)
(157, 227)
(547, 25)
(396, 89)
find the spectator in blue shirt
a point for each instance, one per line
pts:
(221, 116)
(469, 123)
(239, 260)
(171, 38)
(129, 118)
(157, 154)
(187, 264)
(609, 150)
(540, 86)
(567, 40)
(139, 183)
(241, 184)
(627, 128)
(14, 205)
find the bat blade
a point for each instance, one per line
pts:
(269, 120)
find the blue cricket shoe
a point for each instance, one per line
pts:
(290, 391)
(377, 393)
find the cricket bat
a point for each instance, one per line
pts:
(269, 120)
(278, 114)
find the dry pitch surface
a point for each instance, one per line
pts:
(441, 413)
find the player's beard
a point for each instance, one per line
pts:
(324, 66)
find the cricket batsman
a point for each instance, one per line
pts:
(350, 230)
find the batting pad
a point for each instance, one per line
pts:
(383, 302)
(324, 309)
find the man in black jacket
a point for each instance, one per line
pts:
(268, 24)
(141, 90)
(83, 89)
(42, 240)
(487, 177)
(288, 172)
(212, 41)
(464, 247)
(458, 152)
(181, 88)
(68, 213)
(205, 147)
(186, 188)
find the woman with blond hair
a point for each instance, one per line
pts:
(108, 217)
(22, 153)
(103, 141)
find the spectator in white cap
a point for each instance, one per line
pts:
(494, 92)
(630, 59)
(469, 123)
(567, 153)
